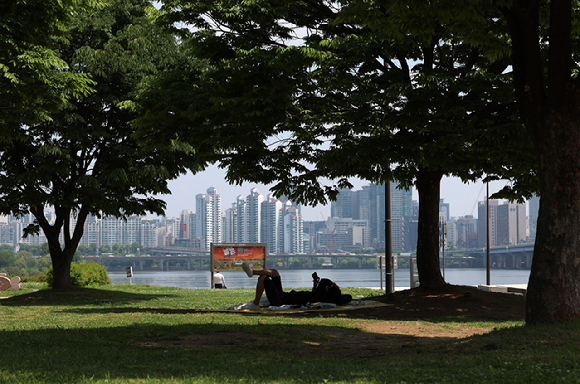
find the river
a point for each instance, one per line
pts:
(302, 278)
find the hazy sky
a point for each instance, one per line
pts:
(461, 197)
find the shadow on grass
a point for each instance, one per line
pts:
(196, 352)
(76, 296)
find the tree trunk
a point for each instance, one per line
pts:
(60, 270)
(61, 257)
(554, 285)
(429, 187)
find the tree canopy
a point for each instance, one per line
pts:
(298, 92)
(84, 160)
(33, 79)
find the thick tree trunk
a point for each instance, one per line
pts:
(554, 285)
(551, 116)
(429, 187)
(60, 270)
(61, 257)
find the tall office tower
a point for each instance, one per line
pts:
(342, 207)
(401, 206)
(360, 204)
(410, 233)
(534, 205)
(132, 230)
(254, 201)
(369, 204)
(293, 231)
(241, 234)
(230, 224)
(208, 223)
(415, 209)
(466, 229)
(444, 207)
(511, 224)
(377, 214)
(274, 243)
(148, 234)
(482, 223)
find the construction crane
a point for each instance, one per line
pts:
(476, 199)
(332, 234)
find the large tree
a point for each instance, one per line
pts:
(547, 91)
(84, 160)
(375, 92)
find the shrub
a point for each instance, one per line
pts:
(33, 279)
(84, 275)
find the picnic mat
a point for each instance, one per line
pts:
(353, 305)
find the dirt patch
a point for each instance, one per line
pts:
(413, 317)
(370, 342)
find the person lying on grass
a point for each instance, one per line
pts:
(323, 291)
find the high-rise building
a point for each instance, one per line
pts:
(241, 221)
(208, 222)
(444, 208)
(360, 203)
(273, 227)
(131, 230)
(148, 234)
(482, 223)
(111, 231)
(230, 224)
(373, 210)
(377, 214)
(254, 206)
(466, 229)
(7, 234)
(92, 231)
(534, 206)
(185, 224)
(511, 224)
(342, 207)
(401, 206)
(293, 231)
(507, 223)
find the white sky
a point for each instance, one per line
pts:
(461, 197)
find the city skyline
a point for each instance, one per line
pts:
(462, 198)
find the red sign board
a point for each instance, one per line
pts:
(230, 256)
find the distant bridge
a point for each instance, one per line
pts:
(502, 257)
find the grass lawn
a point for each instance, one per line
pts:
(146, 334)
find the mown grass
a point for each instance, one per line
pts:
(124, 334)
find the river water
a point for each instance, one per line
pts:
(303, 278)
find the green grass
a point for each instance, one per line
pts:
(126, 334)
